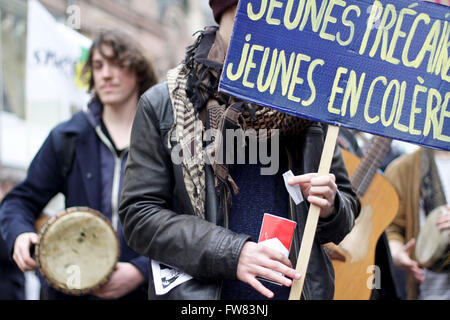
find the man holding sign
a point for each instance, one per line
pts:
(197, 184)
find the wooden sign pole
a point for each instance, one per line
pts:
(313, 215)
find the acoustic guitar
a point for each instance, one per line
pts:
(354, 258)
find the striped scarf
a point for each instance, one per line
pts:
(199, 107)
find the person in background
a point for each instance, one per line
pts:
(118, 73)
(422, 180)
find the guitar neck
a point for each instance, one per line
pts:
(370, 163)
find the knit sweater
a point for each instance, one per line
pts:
(257, 195)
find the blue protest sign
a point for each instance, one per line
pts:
(375, 66)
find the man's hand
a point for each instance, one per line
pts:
(124, 279)
(401, 256)
(318, 190)
(21, 254)
(258, 260)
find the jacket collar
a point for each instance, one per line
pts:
(95, 110)
(431, 187)
(93, 116)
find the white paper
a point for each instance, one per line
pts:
(294, 191)
(165, 277)
(276, 244)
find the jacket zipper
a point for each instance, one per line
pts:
(116, 189)
(219, 289)
(118, 159)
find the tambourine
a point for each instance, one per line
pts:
(433, 245)
(77, 251)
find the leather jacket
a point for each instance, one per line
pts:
(159, 222)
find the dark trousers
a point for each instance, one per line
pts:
(12, 282)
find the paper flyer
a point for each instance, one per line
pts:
(166, 278)
(294, 191)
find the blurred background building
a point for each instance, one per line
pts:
(164, 28)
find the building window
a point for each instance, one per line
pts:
(13, 55)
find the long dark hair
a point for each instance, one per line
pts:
(127, 53)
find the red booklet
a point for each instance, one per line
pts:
(277, 233)
(274, 227)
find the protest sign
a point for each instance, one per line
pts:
(375, 66)
(54, 59)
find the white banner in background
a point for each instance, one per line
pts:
(55, 56)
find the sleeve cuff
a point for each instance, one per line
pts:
(338, 225)
(12, 235)
(143, 265)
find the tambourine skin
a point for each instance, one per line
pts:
(77, 251)
(433, 245)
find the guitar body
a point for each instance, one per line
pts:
(379, 205)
